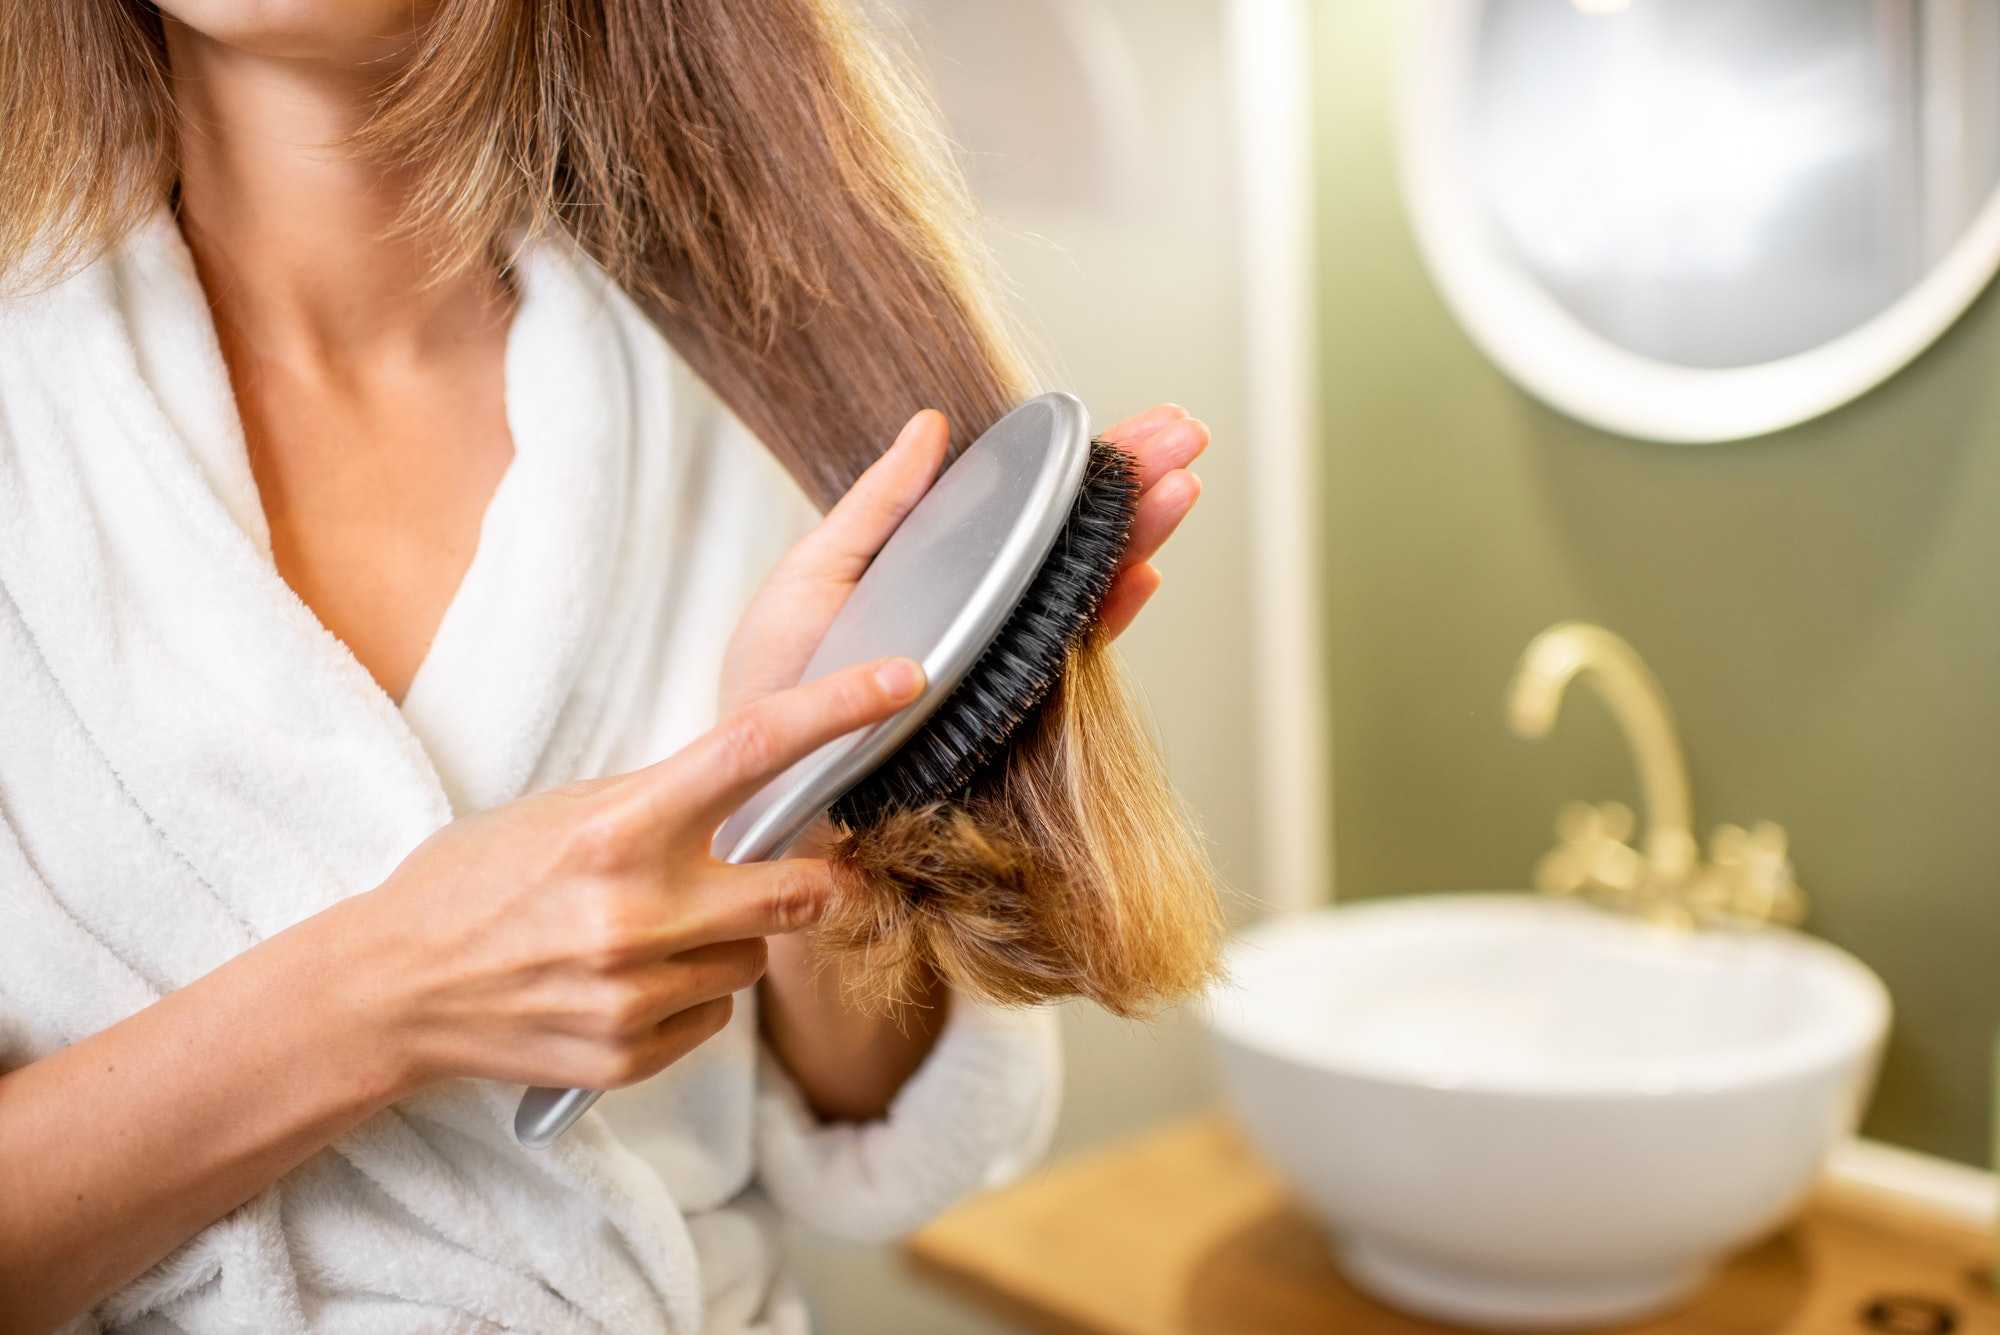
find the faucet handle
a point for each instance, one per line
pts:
(1591, 852)
(1565, 868)
(1750, 876)
(1768, 875)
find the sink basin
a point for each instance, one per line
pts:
(1519, 1112)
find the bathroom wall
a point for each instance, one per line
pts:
(1821, 606)
(1131, 296)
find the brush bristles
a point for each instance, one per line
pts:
(1014, 676)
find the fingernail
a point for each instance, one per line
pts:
(900, 679)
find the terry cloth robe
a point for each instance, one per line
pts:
(190, 762)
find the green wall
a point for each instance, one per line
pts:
(1820, 606)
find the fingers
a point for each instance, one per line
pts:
(684, 1031)
(1159, 513)
(765, 899)
(1162, 442)
(1140, 423)
(700, 785)
(1128, 593)
(708, 972)
(627, 1062)
(679, 1034)
(656, 991)
(862, 520)
(1165, 448)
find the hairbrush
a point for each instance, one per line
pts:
(989, 582)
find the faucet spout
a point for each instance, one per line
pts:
(1575, 649)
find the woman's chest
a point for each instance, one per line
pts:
(375, 492)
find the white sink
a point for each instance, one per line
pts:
(1515, 1112)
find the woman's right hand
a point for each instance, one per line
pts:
(584, 936)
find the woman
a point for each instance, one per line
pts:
(342, 493)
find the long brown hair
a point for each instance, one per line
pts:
(772, 189)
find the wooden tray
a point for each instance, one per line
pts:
(1185, 1232)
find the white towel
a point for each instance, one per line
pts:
(190, 762)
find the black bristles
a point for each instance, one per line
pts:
(1011, 679)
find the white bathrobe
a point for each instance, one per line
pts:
(190, 762)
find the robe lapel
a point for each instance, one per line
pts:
(258, 746)
(515, 640)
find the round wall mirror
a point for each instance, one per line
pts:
(1702, 220)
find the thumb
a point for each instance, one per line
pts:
(843, 543)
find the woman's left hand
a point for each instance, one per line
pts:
(791, 611)
(850, 1064)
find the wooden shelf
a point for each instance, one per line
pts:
(1186, 1232)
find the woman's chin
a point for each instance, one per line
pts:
(345, 31)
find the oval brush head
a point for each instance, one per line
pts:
(1009, 682)
(957, 568)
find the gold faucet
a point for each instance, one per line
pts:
(1748, 877)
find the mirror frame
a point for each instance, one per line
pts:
(1572, 368)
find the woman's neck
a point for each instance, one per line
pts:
(293, 233)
